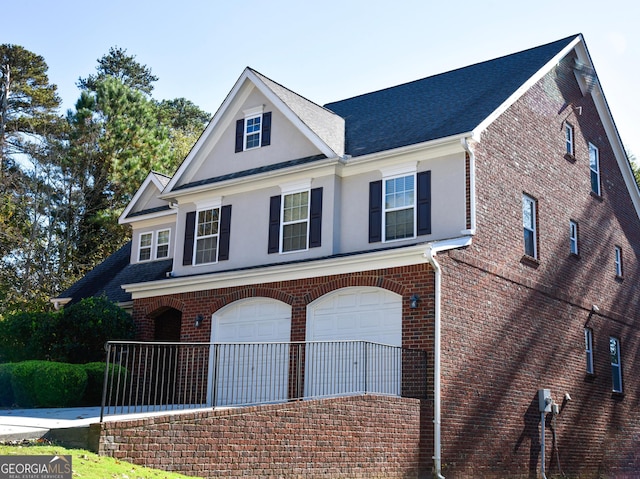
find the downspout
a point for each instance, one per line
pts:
(430, 255)
(437, 452)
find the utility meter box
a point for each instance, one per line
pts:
(544, 400)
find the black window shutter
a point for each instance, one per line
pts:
(315, 219)
(239, 135)
(266, 129)
(375, 211)
(189, 236)
(424, 203)
(274, 225)
(225, 233)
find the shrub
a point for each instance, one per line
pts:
(95, 381)
(86, 326)
(27, 335)
(60, 384)
(6, 390)
(24, 384)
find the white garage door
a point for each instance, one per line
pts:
(334, 364)
(252, 373)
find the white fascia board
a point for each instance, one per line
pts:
(524, 87)
(292, 117)
(608, 123)
(215, 121)
(417, 152)
(151, 178)
(388, 258)
(220, 121)
(267, 179)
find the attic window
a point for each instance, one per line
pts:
(254, 130)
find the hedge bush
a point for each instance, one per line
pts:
(95, 381)
(6, 391)
(23, 382)
(53, 384)
(59, 384)
(76, 334)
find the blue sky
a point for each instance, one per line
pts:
(324, 50)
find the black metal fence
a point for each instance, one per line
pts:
(161, 376)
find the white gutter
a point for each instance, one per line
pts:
(430, 254)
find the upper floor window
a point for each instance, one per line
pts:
(162, 243)
(616, 364)
(618, 261)
(588, 344)
(573, 237)
(568, 136)
(146, 242)
(146, 245)
(207, 234)
(254, 130)
(594, 165)
(529, 223)
(295, 221)
(400, 207)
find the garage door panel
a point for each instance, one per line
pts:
(357, 314)
(250, 374)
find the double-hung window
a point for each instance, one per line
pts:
(162, 243)
(588, 345)
(148, 249)
(618, 261)
(616, 364)
(146, 244)
(573, 237)
(568, 136)
(207, 233)
(529, 223)
(295, 219)
(207, 229)
(254, 130)
(399, 207)
(594, 166)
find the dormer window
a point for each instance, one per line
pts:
(254, 130)
(144, 252)
(154, 245)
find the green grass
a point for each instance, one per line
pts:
(87, 465)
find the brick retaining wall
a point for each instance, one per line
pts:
(349, 437)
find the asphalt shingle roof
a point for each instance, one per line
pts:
(438, 106)
(107, 277)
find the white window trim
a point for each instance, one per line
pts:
(618, 261)
(206, 206)
(573, 237)
(568, 138)
(150, 247)
(588, 344)
(596, 170)
(286, 191)
(157, 243)
(617, 366)
(401, 172)
(534, 230)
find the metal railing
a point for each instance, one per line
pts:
(161, 376)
